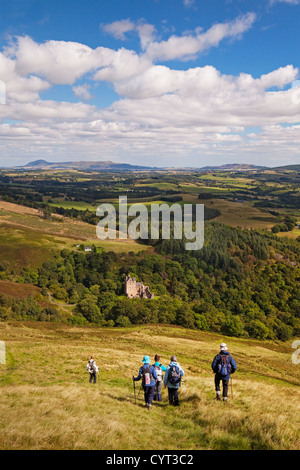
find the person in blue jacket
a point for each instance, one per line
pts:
(172, 380)
(148, 375)
(223, 365)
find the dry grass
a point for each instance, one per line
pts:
(19, 291)
(47, 402)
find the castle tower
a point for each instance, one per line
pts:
(135, 289)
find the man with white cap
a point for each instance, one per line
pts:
(223, 365)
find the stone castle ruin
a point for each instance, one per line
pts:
(137, 290)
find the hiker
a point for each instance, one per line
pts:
(159, 368)
(92, 369)
(148, 375)
(223, 365)
(172, 380)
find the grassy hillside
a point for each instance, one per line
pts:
(26, 239)
(47, 402)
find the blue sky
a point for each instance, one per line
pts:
(154, 82)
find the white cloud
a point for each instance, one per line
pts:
(163, 111)
(123, 64)
(18, 87)
(180, 47)
(60, 62)
(188, 3)
(118, 28)
(82, 92)
(146, 32)
(291, 2)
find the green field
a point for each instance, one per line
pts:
(79, 205)
(47, 402)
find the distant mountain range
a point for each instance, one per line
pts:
(288, 167)
(234, 166)
(111, 166)
(82, 165)
(108, 165)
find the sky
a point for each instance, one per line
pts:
(165, 83)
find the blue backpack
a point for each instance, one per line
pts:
(224, 366)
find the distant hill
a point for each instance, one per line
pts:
(112, 166)
(109, 165)
(82, 165)
(288, 167)
(233, 167)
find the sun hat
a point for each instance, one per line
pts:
(223, 347)
(146, 360)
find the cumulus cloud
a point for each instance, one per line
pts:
(122, 65)
(60, 62)
(162, 111)
(118, 28)
(82, 92)
(19, 87)
(178, 47)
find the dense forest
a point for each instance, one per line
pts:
(242, 283)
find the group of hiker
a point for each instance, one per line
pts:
(152, 379)
(155, 375)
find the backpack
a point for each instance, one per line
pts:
(174, 376)
(224, 366)
(92, 367)
(147, 377)
(159, 372)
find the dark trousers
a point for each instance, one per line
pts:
(93, 377)
(173, 396)
(149, 393)
(158, 388)
(218, 380)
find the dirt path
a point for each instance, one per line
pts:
(57, 303)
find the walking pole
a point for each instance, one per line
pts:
(231, 388)
(184, 388)
(134, 391)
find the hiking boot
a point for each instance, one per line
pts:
(225, 399)
(218, 396)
